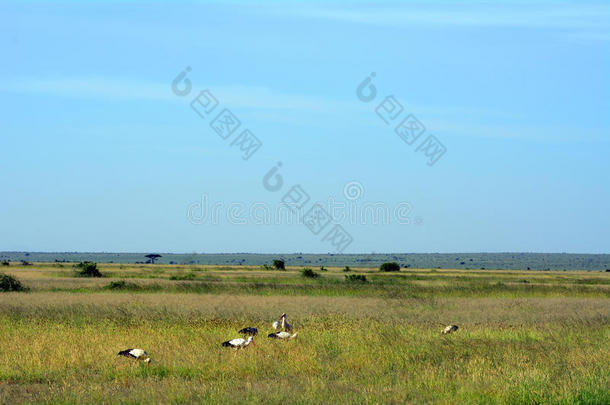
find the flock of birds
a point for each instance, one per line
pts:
(237, 343)
(240, 343)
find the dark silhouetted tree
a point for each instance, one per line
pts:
(391, 266)
(152, 257)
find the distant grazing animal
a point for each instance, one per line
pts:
(137, 355)
(285, 325)
(450, 329)
(239, 343)
(282, 335)
(249, 331)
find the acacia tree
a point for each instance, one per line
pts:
(153, 257)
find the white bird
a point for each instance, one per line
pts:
(238, 343)
(449, 329)
(137, 355)
(282, 335)
(276, 325)
(285, 325)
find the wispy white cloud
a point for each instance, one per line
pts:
(263, 103)
(89, 87)
(241, 96)
(587, 21)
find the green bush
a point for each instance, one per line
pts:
(391, 266)
(5, 263)
(322, 268)
(187, 276)
(360, 278)
(309, 273)
(121, 285)
(346, 269)
(279, 265)
(87, 269)
(10, 283)
(116, 285)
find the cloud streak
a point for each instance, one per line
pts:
(586, 21)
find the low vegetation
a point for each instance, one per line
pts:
(122, 285)
(9, 283)
(87, 269)
(544, 341)
(390, 266)
(360, 278)
(309, 273)
(187, 276)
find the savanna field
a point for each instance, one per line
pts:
(524, 337)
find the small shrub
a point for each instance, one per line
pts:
(87, 269)
(25, 263)
(391, 266)
(10, 283)
(309, 273)
(121, 285)
(6, 263)
(322, 268)
(346, 269)
(279, 265)
(188, 276)
(356, 278)
(266, 267)
(116, 285)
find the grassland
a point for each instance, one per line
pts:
(524, 337)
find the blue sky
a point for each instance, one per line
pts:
(98, 153)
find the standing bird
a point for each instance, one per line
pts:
(276, 325)
(137, 355)
(282, 335)
(238, 343)
(285, 325)
(249, 331)
(450, 329)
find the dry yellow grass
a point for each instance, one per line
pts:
(513, 346)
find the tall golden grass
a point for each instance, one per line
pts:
(59, 344)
